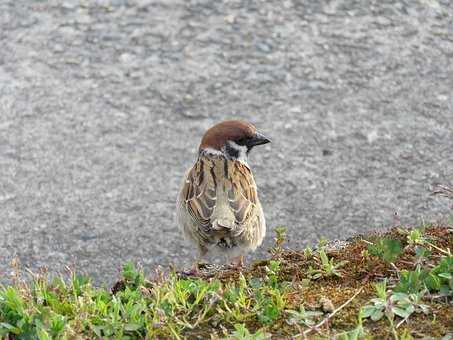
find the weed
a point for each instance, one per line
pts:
(438, 279)
(322, 242)
(242, 333)
(386, 249)
(133, 278)
(280, 236)
(394, 303)
(308, 252)
(303, 317)
(415, 237)
(327, 267)
(412, 282)
(421, 254)
(441, 277)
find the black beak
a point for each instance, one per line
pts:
(258, 139)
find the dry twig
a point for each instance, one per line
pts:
(330, 316)
(443, 190)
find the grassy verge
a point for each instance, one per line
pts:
(393, 285)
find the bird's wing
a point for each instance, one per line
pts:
(242, 194)
(200, 193)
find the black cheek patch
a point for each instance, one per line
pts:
(232, 152)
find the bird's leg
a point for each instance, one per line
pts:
(238, 262)
(194, 270)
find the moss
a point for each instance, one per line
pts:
(361, 271)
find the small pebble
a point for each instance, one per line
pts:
(326, 305)
(230, 19)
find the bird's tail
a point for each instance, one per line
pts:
(225, 227)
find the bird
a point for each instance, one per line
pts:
(218, 208)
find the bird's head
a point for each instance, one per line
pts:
(232, 138)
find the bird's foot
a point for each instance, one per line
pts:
(193, 271)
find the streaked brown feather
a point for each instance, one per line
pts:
(200, 193)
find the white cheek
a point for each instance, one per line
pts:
(211, 151)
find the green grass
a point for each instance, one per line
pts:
(395, 285)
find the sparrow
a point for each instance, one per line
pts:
(218, 208)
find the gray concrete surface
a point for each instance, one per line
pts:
(103, 104)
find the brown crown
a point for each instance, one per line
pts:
(217, 135)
